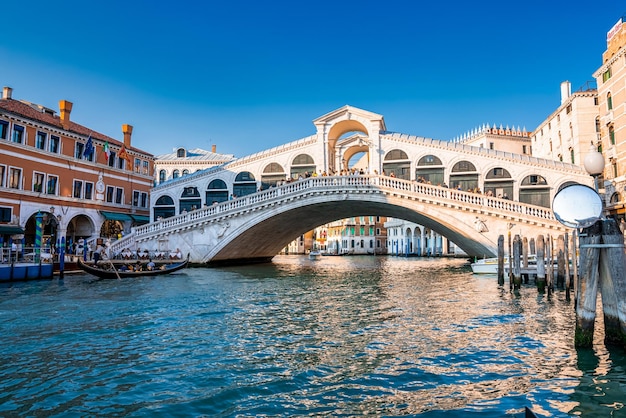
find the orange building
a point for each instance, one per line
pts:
(81, 184)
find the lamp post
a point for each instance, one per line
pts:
(594, 164)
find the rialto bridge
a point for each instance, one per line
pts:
(249, 209)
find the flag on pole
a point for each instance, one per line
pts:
(106, 150)
(88, 152)
(123, 154)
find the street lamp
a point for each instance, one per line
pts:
(594, 164)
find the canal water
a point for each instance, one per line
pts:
(340, 337)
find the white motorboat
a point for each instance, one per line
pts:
(315, 255)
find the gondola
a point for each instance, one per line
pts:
(107, 270)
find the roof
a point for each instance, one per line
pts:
(195, 154)
(45, 116)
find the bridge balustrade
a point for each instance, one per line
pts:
(205, 214)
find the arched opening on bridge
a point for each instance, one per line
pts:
(430, 170)
(337, 136)
(245, 184)
(397, 162)
(464, 176)
(498, 183)
(302, 166)
(273, 174)
(164, 208)
(217, 192)
(534, 190)
(189, 199)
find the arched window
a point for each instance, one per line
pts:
(176, 174)
(609, 101)
(245, 184)
(164, 208)
(534, 190)
(303, 165)
(598, 124)
(189, 199)
(464, 176)
(216, 192)
(273, 173)
(430, 170)
(612, 134)
(498, 183)
(181, 153)
(397, 162)
(162, 176)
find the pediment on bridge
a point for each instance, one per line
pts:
(349, 113)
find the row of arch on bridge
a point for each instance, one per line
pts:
(497, 181)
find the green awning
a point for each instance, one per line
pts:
(116, 216)
(141, 219)
(10, 230)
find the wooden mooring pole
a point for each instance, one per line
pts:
(541, 265)
(501, 260)
(587, 289)
(516, 277)
(613, 283)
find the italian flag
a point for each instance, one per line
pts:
(107, 152)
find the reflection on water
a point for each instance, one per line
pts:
(342, 336)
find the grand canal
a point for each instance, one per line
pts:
(343, 336)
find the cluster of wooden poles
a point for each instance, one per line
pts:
(599, 265)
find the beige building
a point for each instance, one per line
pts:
(611, 79)
(567, 134)
(501, 138)
(182, 162)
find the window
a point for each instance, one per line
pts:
(55, 143)
(4, 128)
(53, 182)
(146, 168)
(491, 145)
(5, 214)
(571, 154)
(144, 200)
(176, 174)
(612, 134)
(40, 141)
(162, 176)
(18, 134)
(135, 198)
(109, 194)
(79, 150)
(111, 159)
(121, 163)
(524, 150)
(77, 189)
(88, 190)
(38, 180)
(15, 178)
(137, 165)
(568, 109)
(3, 170)
(609, 101)
(119, 195)
(606, 75)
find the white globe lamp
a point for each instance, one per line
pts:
(594, 164)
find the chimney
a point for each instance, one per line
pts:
(213, 149)
(566, 91)
(127, 130)
(7, 92)
(66, 109)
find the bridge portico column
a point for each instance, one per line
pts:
(423, 242)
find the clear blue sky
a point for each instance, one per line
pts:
(249, 75)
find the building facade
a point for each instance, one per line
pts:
(569, 132)
(66, 180)
(611, 80)
(182, 162)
